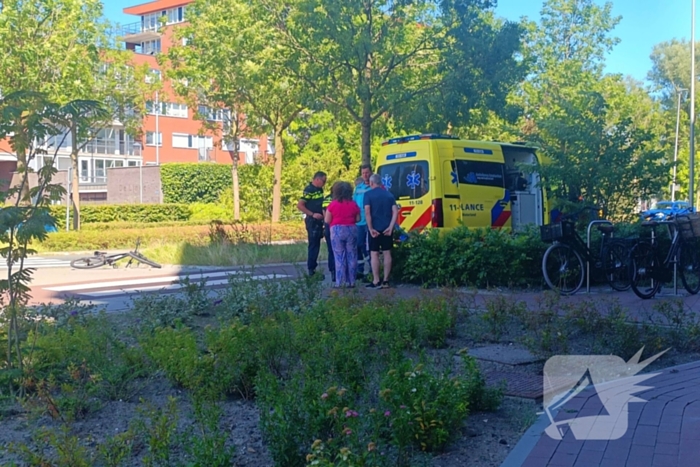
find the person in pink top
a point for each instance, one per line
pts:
(342, 215)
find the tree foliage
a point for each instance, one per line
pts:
(237, 61)
(480, 65)
(28, 119)
(62, 48)
(601, 134)
(360, 59)
(670, 78)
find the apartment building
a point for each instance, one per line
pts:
(170, 132)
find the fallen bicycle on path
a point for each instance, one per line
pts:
(101, 258)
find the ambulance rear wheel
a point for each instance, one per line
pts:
(563, 269)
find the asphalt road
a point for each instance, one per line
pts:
(114, 288)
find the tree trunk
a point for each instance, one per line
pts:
(366, 141)
(277, 184)
(24, 198)
(75, 179)
(234, 176)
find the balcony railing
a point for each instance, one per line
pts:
(137, 29)
(108, 147)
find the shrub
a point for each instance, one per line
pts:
(210, 212)
(194, 183)
(427, 407)
(152, 235)
(482, 258)
(103, 213)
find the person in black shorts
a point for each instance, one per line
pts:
(311, 204)
(381, 213)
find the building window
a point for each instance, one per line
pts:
(169, 109)
(149, 22)
(181, 140)
(133, 163)
(214, 115)
(84, 171)
(100, 174)
(176, 15)
(153, 76)
(176, 110)
(154, 139)
(150, 47)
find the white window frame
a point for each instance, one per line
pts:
(179, 136)
(159, 138)
(151, 47)
(176, 110)
(193, 141)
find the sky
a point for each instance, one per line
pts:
(644, 24)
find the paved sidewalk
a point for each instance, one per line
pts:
(662, 432)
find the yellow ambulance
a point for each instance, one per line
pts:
(442, 181)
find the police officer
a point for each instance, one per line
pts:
(311, 204)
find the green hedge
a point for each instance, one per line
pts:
(188, 183)
(481, 258)
(141, 213)
(203, 185)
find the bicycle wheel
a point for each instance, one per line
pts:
(643, 262)
(689, 263)
(88, 263)
(142, 259)
(562, 268)
(616, 265)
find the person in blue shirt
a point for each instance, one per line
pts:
(381, 214)
(362, 240)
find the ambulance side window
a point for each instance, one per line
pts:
(406, 180)
(480, 173)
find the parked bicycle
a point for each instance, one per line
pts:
(649, 271)
(101, 258)
(563, 262)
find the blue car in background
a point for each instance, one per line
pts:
(662, 209)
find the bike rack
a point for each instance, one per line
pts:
(588, 244)
(675, 267)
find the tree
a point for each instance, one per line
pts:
(63, 50)
(480, 64)
(27, 120)
(364, 59)
(601, 134)
(605, 146)
(238, 64)
(670, 78)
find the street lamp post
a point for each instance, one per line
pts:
(675, 152)
(157, 135)
(137, 146)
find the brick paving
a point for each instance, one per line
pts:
(662, 432)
